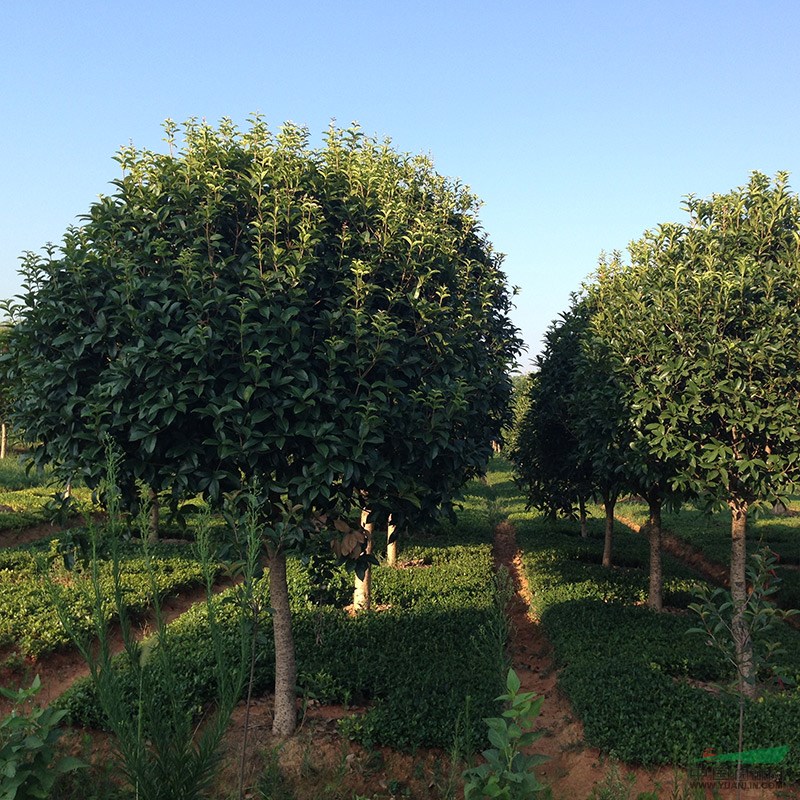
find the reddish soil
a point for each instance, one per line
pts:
(317, 762)
(11, 537)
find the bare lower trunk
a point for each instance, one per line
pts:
(655, 596)
(609, 533)
(741, 632)
(362, 590)
(3, 439)
(582, 512)
(284, 720)
(155, 514)
(391, 544)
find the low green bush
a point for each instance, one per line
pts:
(27, 618)
(21, 508)
(14, 475)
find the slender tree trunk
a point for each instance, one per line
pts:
(582, 511)
(3, 440)
(284, 720)
(738, 579)
(391, 544)
(362, 590)
(155, 515)
(608, 503)
(655, 597)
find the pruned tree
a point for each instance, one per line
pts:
(248, 310)
(648, 475)
(543, 445)
(707, 320)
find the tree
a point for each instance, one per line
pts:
(543, 446)
(247, 310)
(570, 440)
(648, 475)
(708, 331)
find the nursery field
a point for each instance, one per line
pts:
(393, 699)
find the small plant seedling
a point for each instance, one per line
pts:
(508, 771)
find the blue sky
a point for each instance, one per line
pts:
(579, 124)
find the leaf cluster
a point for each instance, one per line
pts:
(703, 326)
(331, 320)
(29, 762)
(508, 771)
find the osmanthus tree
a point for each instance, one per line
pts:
(705, 321)
(648, 475)
(570, 442)
(543, 446)
(247, 309)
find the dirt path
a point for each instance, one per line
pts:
(13, 537)
(574, 768)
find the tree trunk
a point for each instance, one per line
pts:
(284, 720)
(3, 440)
(608, 504)
(779, 509)
(362, 590)
(155, 514)
(582, 511)
(655, 597)
(738, 579)
(391, 544)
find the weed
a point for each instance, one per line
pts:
(272, 784)
(28, 735)
(508, 772)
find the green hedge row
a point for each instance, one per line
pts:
(628, 671)
(28, 620)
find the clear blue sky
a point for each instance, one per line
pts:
(580, 124)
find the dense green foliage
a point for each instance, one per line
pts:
(545, 446)
(705, 325)
(245, 297)
(30, 763)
